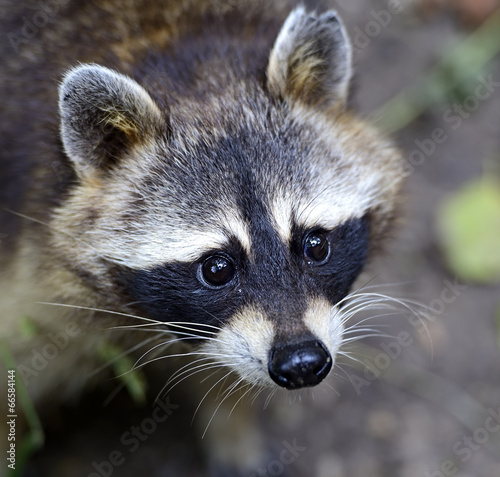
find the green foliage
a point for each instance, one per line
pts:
(448, 77)
(123, 367)
(469, 230)
(34, 438)
(27, 327)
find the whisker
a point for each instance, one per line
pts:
(258, 390)
(185, 369)
(195, 370)
(121, 355)
(128, 315)
(208, 392)
(181, 339)
(192, 353)
(250, 388)
(360, 330)
(371, 318)
(143, 327)
(268, 399)
(368, 335)
(232, 389)
(113, 394)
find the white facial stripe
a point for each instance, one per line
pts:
(165, 244)
(327, 215)
(281, 213)
(142, 252)
(244, 344)
(327, 211)
(324, 322)
(234, 225)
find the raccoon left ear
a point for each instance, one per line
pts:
(103, 114)
(311, 60)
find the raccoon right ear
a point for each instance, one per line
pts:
(103, 114)
(311, 60)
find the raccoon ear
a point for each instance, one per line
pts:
(311, 60)
(103, 113)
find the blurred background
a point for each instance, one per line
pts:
(425, 400)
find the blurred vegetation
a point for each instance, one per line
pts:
(468, 222)
(456, 68)
(33, 439)
(28, 327)
(129, 376)
(469, 230)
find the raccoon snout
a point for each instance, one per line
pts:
(299, 365)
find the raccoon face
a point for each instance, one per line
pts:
(246, 211)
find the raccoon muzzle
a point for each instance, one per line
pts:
(299, 365)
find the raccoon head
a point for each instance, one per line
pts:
(243, 208)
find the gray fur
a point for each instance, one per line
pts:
(103, 112)
(311, 59)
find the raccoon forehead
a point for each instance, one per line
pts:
(329, 204)
(351, 171)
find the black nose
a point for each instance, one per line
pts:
(299, 365)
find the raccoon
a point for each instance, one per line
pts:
(189, 166)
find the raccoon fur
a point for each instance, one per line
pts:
(190, 163)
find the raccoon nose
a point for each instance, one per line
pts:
(299, 365)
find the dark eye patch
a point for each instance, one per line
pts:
(175, 292)
(341, 262)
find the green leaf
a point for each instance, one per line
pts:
(469, 231)
(28, 327)
(123, 368)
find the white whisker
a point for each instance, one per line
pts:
(208, 392)
(231, 390)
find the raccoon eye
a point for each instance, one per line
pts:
(217, 270)
(316, 248)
